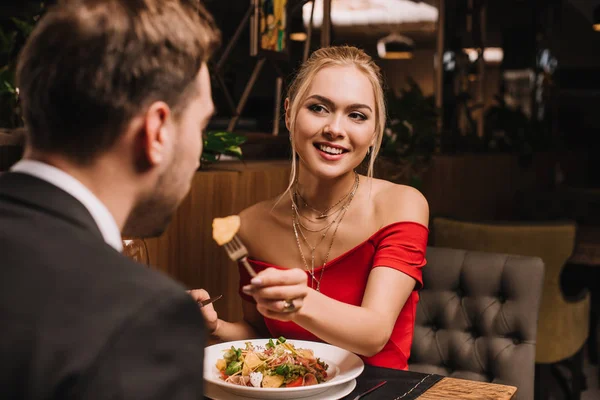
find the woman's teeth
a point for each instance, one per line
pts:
(330, 150)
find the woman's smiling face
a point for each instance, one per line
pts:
(335, 124)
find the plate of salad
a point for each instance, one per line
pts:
(276, 368)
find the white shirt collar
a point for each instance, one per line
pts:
(59, 178)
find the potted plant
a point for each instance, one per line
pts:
(221, 143)
(410, 135)
(13, 33)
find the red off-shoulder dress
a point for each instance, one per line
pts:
(400, 246)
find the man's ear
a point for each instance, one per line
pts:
(156, 133)
(286, 106)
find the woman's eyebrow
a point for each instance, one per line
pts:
(328, 102)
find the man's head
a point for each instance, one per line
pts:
(97, 75)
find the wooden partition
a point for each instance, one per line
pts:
(488, 186)
(187, 252)
(11, 147)
(472, 186)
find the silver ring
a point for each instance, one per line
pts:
(288, 306)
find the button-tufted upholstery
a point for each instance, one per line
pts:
(477, 317)
(563, 323)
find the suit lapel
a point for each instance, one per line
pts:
(36, 193)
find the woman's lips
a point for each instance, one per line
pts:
(328, 156)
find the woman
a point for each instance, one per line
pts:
(338, 255)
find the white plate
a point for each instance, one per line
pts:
(337, 392)
(344, 366)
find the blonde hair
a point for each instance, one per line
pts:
(336, 56)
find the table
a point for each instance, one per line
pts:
(452, 388)
(410, 385)
(443, 389)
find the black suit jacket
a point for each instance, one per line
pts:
(78, 320)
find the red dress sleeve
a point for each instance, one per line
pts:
(402, 246)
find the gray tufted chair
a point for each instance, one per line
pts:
(477, 317)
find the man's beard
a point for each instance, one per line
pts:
(149, 218)
(152, 214)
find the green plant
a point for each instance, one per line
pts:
(410, 134)
(13, 32)
(218, 143)
(508, 129)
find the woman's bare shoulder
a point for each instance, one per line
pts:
(260, 216)
(395, 203)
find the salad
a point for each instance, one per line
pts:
(278, 364)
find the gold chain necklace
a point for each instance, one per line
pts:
(298, 215)
(297, 229)
(323, 214)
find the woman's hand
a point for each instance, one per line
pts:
(279, 294)
(210, 315)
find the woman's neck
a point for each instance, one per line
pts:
(322, 194)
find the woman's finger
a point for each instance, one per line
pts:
(277, 277)
(276, 292)
(279, 309)
(281, 305)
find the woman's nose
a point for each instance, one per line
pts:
(334, 128)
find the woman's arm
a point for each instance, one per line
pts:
(363, 330)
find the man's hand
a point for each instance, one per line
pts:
(210, 315)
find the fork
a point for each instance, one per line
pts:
(237, 252)
(211, 300)
(363, 394)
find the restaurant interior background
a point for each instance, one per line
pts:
(503, 130)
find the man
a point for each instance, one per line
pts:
(115, 95)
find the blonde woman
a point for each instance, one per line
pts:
(338, 255)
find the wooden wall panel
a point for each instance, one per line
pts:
(485, 186)
(464, 186)
(472, 186)
(11, 148)
(187, 252)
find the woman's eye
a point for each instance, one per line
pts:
(317, 108)
(358, 116)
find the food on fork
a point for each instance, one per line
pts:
(278, 364)
(224, 229)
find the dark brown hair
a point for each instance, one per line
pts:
(90, 66)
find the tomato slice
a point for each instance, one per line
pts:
(224, 376)
(296, 382)
(309, 379)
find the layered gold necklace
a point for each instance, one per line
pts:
(336, 212)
